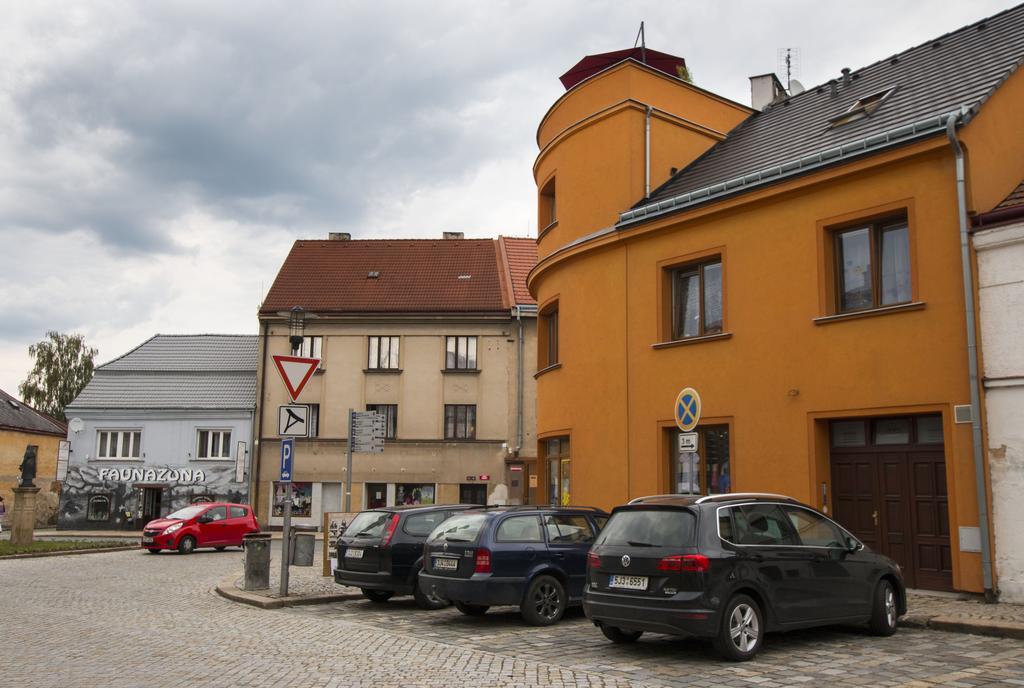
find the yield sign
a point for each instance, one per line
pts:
(295, 371)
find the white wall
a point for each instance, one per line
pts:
(1000, 254)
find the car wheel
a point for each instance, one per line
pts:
(187, 545)
(427, 600)
(378, 596)
(617, 635)
(472, 609)
(221, 548)
(545, 601)
(742, 630)
(883, 610)
(153, 550)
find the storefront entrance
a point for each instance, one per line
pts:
(150, 503)
(889, 489)
(473, 493)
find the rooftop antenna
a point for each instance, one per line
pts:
(789, 63)
(641, 39)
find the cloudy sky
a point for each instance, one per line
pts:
(157, 159)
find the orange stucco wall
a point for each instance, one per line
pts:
(780, 374)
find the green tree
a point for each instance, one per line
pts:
(63, 367)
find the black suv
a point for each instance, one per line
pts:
(531, 556)
(730, 568)
(381, 551)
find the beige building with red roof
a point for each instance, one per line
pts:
(439, 336)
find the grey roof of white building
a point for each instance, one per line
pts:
(205, 371)
(952, 74)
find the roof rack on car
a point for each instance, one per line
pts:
(743, 495)
(637, 500)
(522, 507)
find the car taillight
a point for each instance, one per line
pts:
(593, 561)
(483, 561)
(685, 562)
(390, 532)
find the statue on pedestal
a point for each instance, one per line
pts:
(28, 466)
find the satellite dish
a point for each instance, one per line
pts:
(795, 87)
(75, 425)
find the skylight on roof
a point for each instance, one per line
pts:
(865, 107)
(373, 274)
(13, 404)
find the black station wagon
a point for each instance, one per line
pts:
(531, 556)
(730, 568)
(381, 551)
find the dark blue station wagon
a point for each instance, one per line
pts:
(531, 556)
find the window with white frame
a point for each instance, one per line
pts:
(214, 444)
(311, 347)
(118, 444)
(460, 353)
(383, 353)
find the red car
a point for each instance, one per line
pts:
(216, 525)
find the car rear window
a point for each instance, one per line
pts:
(459, 528)
(368, 524)
(420, 525)
(649, 528)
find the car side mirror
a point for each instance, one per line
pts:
(852, 545)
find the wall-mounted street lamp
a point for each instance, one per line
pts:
(296, 326)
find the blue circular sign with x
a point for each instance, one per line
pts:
(687, 409)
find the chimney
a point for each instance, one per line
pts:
(454, 235)
(765, 89)
(846, 75)
(339, 236)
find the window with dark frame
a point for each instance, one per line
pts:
(697, 299)
(460, 353)
(383, 353)
(98, 508)
(313, 420)
(390, 413)
(872, 265)
(548, 207)
(550, 319)
(706, 470)
(460, 421)
(557, 454)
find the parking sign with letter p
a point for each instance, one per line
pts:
(287, 452)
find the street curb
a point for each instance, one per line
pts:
(227, 589)
(67, 552)
(966, 624)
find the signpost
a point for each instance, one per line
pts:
(295, 371)
(687, 442)
(366, 430)
(687, 414)
(287, 454)
(293, 421)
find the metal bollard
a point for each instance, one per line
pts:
(303, 545)
(257, 561)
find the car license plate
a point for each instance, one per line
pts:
(353, 554)
(147, 540)
(446, 564)
(628, 582)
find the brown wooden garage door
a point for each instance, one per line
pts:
(889, 489)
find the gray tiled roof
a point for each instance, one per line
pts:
(168, 391)
(203, 371)
(958, 70)
(14, 415)
(189, 352)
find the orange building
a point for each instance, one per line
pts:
(799, 265)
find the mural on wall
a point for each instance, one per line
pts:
(119, 497)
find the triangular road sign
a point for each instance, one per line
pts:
(295, 371)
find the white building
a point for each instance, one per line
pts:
(999, 245)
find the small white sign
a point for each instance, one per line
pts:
(63, 452)
(687, 442)
(293, 420)
(240, 451)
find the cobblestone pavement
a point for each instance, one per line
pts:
(133, 619)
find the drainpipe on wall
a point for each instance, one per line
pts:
(972, 359)
(647, 152)
(519, 383)
(256, 444)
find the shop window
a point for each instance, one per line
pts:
(706, 470)
(414, 494)
(118, 444)
(376, 495)
(697, 299)
(213, 444)
(98, 509)
(547, 210)
(390, 413)
(302, 499)
(872, 265)
(460, 353)
(556, 452)
(383, 353)
(549, 336)
(459, 421)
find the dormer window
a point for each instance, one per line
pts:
(865, 107)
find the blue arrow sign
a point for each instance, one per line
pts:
(287, 452)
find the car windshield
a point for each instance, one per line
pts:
(649, 528)
(368, 524)
(461, 528)
(188, 512)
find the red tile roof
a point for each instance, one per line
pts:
(415, 276)
(519, 255)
